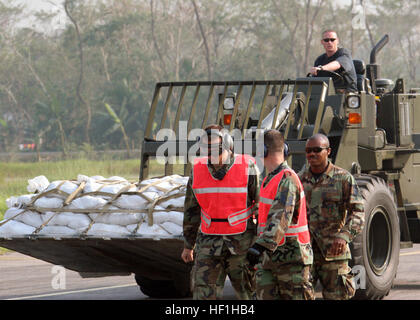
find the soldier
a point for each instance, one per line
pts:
(220, 202)
(335, 59)
(282, 249)
(336, 216)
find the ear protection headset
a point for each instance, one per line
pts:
(227, 141)
(285, 148)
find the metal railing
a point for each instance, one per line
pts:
(174, 102)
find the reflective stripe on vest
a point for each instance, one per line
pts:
(267, 194)
(220, 190)
(223, 202)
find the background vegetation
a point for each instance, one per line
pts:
(86, 84)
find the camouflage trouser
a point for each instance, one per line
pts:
(288, 282)
(209, 275)
(335, 277)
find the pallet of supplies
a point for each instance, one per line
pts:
(97, 206)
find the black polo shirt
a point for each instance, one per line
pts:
(347, 70)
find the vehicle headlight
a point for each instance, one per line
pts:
(353, 102)
(228, 104)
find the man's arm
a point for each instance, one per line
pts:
(355, 217)
(191, 223)
(332, 66)
(192, 217)
(353, 203)
(253, 187)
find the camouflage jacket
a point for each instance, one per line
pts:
(213, 244)
(335, 208)
(283, 212)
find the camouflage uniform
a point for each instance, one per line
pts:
(218, 256)
(284, 271)
(335, 209)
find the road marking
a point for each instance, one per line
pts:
(71, 292)
(409, 253)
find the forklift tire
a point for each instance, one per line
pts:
(375, 252)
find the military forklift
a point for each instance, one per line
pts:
(373, 134)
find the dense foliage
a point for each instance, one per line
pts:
(88, 83)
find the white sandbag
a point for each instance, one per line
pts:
(116, 188)
(92, 186)
(25, 199)
(67, 186)
(37, 184)
(29, 218)
(97, 178)
(11, 212)
(81, 178)
(162, 188)
(12, 202)
(49, 202)
(148, 181)
(145, 229)
(57, 230)
(14, 228)
(72, 220)
(102, 229)
(87, 202)
(116, 218)
(151, 195)
(177, 202)
(126, 201)
(172, 228)
(176, 217)
(181, 190)
(180, 179)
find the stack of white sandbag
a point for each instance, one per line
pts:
(97, 206)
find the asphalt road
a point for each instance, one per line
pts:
(26, 278)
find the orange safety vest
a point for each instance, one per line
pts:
(300, 230)
(223, 203)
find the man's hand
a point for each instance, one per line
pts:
(187, 255)
(338, 247)
(314, 70)
(254, 253)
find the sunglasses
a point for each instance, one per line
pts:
(315, 149)
(329, 39)
(212, 149)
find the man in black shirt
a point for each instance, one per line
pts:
(335, 59)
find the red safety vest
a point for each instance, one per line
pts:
(300, 230)
(223, 203)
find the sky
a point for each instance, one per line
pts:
(59, 22)
(49, 6)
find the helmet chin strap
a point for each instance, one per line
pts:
(220, 174)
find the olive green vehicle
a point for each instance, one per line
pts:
(374, 133)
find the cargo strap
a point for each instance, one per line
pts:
(78, 192)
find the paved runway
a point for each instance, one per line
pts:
(23, 277)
